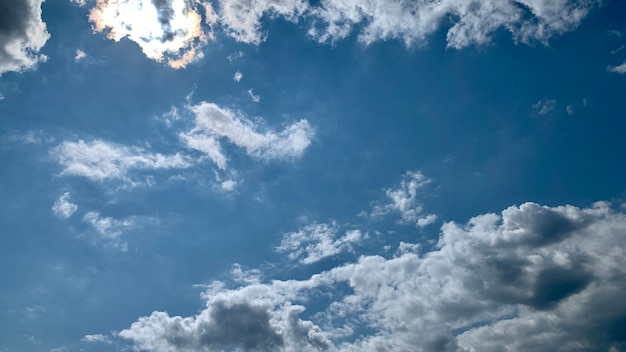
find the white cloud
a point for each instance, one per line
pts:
(237, 76)
(543, 107)
(229, 185)
(80, 3)
(315, 242)
(242, 18)
(107, 227)
(533, 278)
(473, 21)
(234, 56)
(63, 207)
(96, 338)
(22, 35)
(79, 55)
(99, 160)
(569, 109)
(426, 220)
(213, 123)
(404, 201)
(618, 69)
(166, 30)
(255, 98)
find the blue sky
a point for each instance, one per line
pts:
(238, 175)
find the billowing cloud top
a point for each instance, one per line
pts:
(533, 278)
(22, 34)
(166, 30)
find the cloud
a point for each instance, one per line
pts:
(63, 207)
(532, 278)
(80, 3)
(213, 123)
(99, 160)
(405, 202)
(543, 107)
(569, 109)
(228, 185)
(315, 242)
(255, 98)
(79, 55)
(234, 56)
(108, 228)
(618, 69)
(166, 30)
(22, 35)
(228, 323)
(96, 338)
(242, 18)
(473, 22)
(238, 76)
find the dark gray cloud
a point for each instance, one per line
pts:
(22, 34)
(241, 325)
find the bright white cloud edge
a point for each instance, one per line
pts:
(498, 280)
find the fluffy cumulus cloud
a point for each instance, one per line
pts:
(214, 124)
(315, 242)
(166, 30)
(63, 207)
(405, 202)
(473, 22)
(532, 278)
(99, 160)
(22, 35)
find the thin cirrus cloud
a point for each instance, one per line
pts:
(498, 280)
(473, 22)
(214, 124)
(22, 35)
(169, 31)
(99, 160)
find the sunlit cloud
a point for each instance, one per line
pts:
(169, 31)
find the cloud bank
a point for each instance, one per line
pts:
(22, 35)
(166, 30)
(472, 22)
(532, 278)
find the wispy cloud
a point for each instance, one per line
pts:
(315, 242)
(166, 30)
(237, 76)
(99, 160)
(618, 69)
(63, 207)
(404, 200)
(22, 35)
(213, 124)
(543, 107)
(255, 98)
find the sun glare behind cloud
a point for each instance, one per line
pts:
(166, 30)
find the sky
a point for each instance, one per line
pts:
(329, 175)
